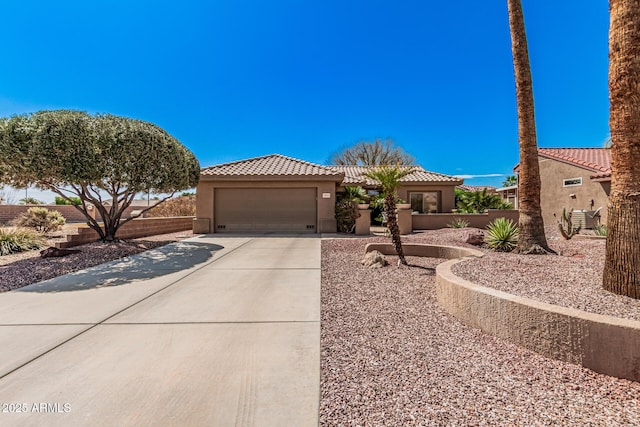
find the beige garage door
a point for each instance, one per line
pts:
(265, 210)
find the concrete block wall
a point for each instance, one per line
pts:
(140, 227)
(10, 212)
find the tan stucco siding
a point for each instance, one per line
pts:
(325, 221)
(554, 196)
(447, 194)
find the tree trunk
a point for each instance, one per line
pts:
(532, 239)
(622, 264)
(392, 223)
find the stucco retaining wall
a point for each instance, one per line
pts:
(442, 220)
(140, 227)
(604, 344)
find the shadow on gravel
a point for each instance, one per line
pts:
(157, 262)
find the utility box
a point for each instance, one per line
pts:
(585, 219)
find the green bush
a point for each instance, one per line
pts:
(458, 223)
(19, 240)
(502, 235)
(600, 230)
(74, 201)
(42, 219)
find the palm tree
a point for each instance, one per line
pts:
(532, 239)
(621, 274)
(389, 178)
(509, 181)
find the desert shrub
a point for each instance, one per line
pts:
(179, 206)
(501, 235)
(72, 201)
(479, 201)
(346, 215)
(19, 240)
(41, 219)
(600, 230)
(458, 223)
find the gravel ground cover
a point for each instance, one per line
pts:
(572, 279)
(25, 268)
(391, 356)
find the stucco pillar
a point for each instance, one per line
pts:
(404, 221)
(363, 222)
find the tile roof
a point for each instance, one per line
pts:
(277, 165)
(271, 165)
(474, 188)
(354, 175)
(597, 160)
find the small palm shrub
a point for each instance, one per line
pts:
(41, 219)
(501, 235)
(19, 240)
(458, 223)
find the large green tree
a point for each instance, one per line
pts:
(372, 153)
(389, 178)
(622, 260)
(94, 158)
(531, 239)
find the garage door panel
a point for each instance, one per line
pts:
(265, 210)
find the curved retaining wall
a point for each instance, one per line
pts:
(604, 344)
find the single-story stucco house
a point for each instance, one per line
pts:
(571, 178)
(276, 193)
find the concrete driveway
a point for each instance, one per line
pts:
(209, 331)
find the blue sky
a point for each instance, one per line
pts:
(238, 79)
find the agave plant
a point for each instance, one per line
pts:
(458, 223)
(501, 235)
(600, 230)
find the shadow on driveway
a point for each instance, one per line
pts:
(154, 263)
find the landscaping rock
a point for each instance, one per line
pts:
(475, 238)
(374, 259)
(56, 252)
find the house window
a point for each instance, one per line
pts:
(425, 202)
(572, 182)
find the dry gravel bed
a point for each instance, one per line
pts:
(25, 268)
(391, 356)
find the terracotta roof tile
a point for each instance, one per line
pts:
(272, 165)
(474, 188)
(354, 175)
(597, 160)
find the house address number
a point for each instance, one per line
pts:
(326, 195)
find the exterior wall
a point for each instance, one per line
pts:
(554, 197)
(437, 221)
(447, 194)
(205, 201)
(140, 227)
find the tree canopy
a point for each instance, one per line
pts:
(75, 154)
(372, 153)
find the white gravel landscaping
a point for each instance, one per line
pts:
(391, 356)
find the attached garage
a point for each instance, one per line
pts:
(265, 210)
(269, 194)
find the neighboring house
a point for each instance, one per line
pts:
(475, 188)
(509, 194)
(276, 193)
(139, 203)
(578, 178)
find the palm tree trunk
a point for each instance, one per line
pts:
(622, 264)
(532, 239)
(392, 224)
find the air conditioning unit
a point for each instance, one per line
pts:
(586, 219)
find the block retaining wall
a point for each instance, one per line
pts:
(140, 227)
(441, 220)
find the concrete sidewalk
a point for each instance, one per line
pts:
(212, 331)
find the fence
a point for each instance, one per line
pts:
(10, 212)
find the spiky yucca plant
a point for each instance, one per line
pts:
(502, 235)
(458, 223)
